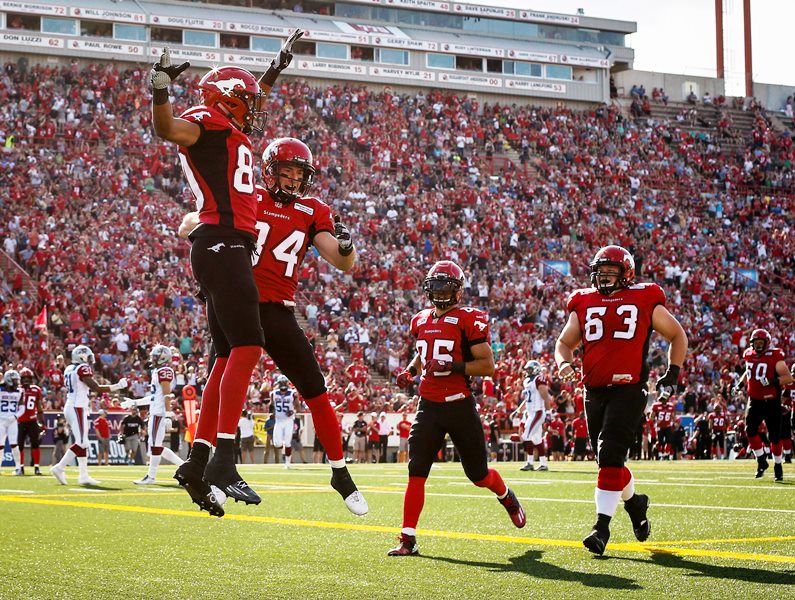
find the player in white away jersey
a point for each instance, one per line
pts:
(159, 400)
(535, 401)
(10, 408)
(283, 404)
(79, 381)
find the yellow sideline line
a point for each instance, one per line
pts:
(630, 547)
(787, 538)
(94, 493)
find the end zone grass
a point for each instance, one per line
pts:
(716, 532)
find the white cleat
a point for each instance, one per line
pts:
(58, 474)
(145, 480)
(357, 504)
(18, 472)
(87, 480)
(220, 496)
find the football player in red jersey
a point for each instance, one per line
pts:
(31, 421)
(216, 157)
(613, 320)
(765, 374)
(288, 223)
(452, 344)
(663, 413)
(717, 424)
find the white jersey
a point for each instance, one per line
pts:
(159, 376)
(283, 404)
(76, 390)
(9, 403)
(534, 402)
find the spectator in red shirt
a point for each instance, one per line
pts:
(102, 427)
(404, 429)
(579, 429)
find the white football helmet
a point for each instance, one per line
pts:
(160, 355)
(82, 355)
(12, 379)
(533, 368)
(282, 382)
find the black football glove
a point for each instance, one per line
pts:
(163, 72)
(282, 61)
(666, 385)
(343, 235)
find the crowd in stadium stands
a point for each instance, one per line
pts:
(91, 203)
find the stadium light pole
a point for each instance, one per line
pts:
(749, 76)
(719, 37)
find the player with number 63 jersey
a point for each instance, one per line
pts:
(613, 321)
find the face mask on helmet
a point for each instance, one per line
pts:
(443, 292)
(283, 383)
(612, 269)
(287, 169)
(760, 340)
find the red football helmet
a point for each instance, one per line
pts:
(760, 340)
(614, 256)
(26, 376)
(287, 152)
(444, 284)
(236, 93)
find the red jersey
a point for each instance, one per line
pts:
(579, 427)
(31, 400)
(219, 168)
(615, 332)
(557, 428)
(664, 414)
(717, 421)
(759, 367)
(404, 428)
(102, 427)
(284, 234)
(450, 338)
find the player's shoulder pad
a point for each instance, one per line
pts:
(777, 353)
(165, 373)
(577, 295)
(748, 352)
(650, 290)
(207, 117)
(84, 370)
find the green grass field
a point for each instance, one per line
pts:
(716, 532)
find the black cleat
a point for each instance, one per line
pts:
(596, 542)
(514, 508)
(527, 467)
(189, 476)
(354, 500)
(406, 547)
(636, 507)
(778, 471)
(761, 466)
(37, 471)
(225, 477)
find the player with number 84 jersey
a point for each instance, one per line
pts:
(615, 332)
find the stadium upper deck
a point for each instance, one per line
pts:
(425, 43)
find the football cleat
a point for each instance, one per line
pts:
(527, 467)
(596, 541)
(342, 482)
(37, 471)
(87, 480)
(19, 471)
(58, 473)
(225, 477)
(406, 547)
(145, 480)
(636, 507)
(761, 466)
(190, 477)
(542, 468)
(514, 508)
(778, 471)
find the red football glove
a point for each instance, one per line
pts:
(404, 379)
(435, 366)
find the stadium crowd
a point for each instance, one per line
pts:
(92, 202)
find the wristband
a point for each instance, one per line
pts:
(413, 370)
(346, 252)
(114, 387)
(270, 76)
(560, 366)
(160, 96)
(459, 367)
